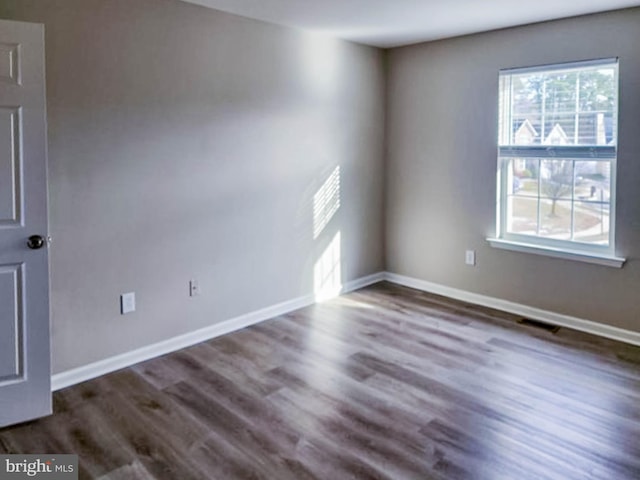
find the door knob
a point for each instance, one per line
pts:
(36, 242)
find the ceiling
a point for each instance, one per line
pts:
(391, 23)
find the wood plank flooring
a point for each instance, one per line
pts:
(383, 383)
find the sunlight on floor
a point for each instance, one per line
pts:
(327, 281)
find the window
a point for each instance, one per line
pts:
(557, 156)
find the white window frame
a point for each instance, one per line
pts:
(569, 249)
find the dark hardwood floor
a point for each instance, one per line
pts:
(383, 383)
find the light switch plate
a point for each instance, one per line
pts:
(470, 257)
(127, 303)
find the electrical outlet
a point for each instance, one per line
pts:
(194, 288)
(127, 303)
(470, 257)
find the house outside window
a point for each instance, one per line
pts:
(557, 151)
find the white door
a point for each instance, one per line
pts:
(25, 378)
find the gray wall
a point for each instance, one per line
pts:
(187, 143)
(441, 167)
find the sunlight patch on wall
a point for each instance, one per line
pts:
(326, 202)
(327, 274)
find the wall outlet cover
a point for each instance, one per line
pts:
(194, 288)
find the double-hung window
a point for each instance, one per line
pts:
(557, 157)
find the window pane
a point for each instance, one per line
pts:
(591, 223)
(559, 129)
(525, 133)
(592, 181)
(559, 95)
(555, 219)
(598, 89)
(526, 108)
(556, 179)
(572, 106)
(522, 215)
(519, 178)
(522, 176)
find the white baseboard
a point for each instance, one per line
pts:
(362, 282)
(87, 372)
(526, 311)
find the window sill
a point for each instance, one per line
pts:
(605, 260)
